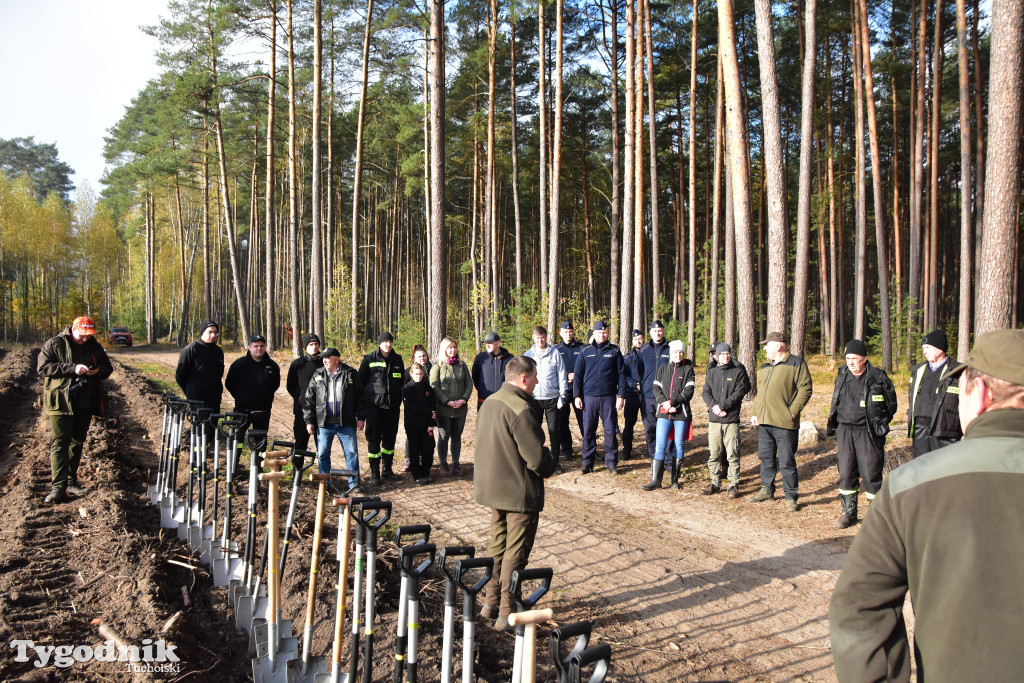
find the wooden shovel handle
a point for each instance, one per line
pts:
(316, 476)
(277, 454)
(274, 463)
(273, 476)
(535, 616)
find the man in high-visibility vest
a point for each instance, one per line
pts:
(932, 418)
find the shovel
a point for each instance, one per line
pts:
(408, 556)
(355, 509)
(306, 669)
(169, 500)
(259, 599)
(469, 591)
(451, 584)
(372, 516)
(210, 530)
(153, 490)
(581, 632)
(515, 589)
(308, 666)
(194, 533)
(227, 565)
(528, 622)
(422, 530)
(166, 441)
(599, 655)
(240, 590)
(184, 514)
(271, 662)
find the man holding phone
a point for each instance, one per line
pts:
(73, 364)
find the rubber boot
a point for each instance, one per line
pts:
(389, 460)
(374, 471)
(657, 473)
(676, 466)
(849, 516)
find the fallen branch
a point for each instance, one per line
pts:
(171, 623)
(183, 564)
(184, 596)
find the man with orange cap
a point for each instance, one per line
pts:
(73, 364)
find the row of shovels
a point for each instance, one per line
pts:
(278, 657)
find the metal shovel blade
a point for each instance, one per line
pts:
(167, 507)
(266, 671)
(334, 676)
(226, 569)
(308, 672)
(259, 632)
(194, 534)
(246, 614)
(287, 645)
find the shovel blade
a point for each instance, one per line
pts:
(265, 671)
(194, 535)
(308, 672)
(167, 520)
(332, 677)
(284, 637)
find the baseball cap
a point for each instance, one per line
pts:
(83, 325)
(491, 338)
(996, 353)
(330, 351)
(773, 337)
(257, 338)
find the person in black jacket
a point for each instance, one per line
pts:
(673, 388)
(382, 374)
(654, 355)
(419, 423)
(489, 368)
(600, 378)
(200, 371)
(331, 407)
(933, 419)
(634, 400)
(299, 373)
(863, 403)
(725, 384)
(569, 349)
(252, 380)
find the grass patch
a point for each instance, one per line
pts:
(160, 376)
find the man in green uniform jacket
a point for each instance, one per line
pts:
(508, 477)
(948, 529)
(73, 364)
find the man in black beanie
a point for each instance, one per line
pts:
(933, 420)
(382, 373)
(863, 404)
(299, 373)
(200, 371)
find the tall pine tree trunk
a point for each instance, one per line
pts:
(316, 260)
(861, 210)
(515, 165)
(716, 210)
(357, 174)
(966, 225)
(270, 283)
(293, 192)
(691, 332)
(542, 137)
(437, 318)
(628, 186)
(803, 211)
(933, 168)
(556, 175)
(653, 160)
(612, 48)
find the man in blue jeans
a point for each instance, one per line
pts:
(331, 401)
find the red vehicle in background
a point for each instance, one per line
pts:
(121, 335)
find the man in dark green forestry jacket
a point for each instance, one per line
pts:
(73, 364)
(508, 477)
(947, 529)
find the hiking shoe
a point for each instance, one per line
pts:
(75, 490)
(792, 505)
(586, 469)
(445, 470)
(558, 469)
(354, 489)
(374, 480)
(56, 496)
(711, 489)
(489, 611)
(390, 476)
(764, 494)
(456, 471)
(423, 481)
(501, 624)
(733, 492)
(611, 469)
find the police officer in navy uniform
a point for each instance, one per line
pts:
(599, 390)
(634, 401)
(382, 373)
(933, 419)
(570, 349)
(654, 354)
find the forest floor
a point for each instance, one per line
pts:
(684, 587)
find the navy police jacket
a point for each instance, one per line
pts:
(600, 371)
(634, 372)
(570, 354)
(653, 356)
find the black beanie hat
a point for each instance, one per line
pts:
(937, 338)
(384, 336)
(310, 337)
(207, 323)
(856, 346)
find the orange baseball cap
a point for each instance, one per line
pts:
(83, 325)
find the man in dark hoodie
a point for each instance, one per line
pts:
(725, 384)
(200, 371)
(382, 373)
(489, 368)
(73, 364)
(252, 380)
(299, 373)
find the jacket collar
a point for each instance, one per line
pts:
(1005, 422)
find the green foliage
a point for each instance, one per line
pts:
(40, 163)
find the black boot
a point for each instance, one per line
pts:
(389, 472)
(374, 471)
(849, 516)
(57, 495)
(676, 466)
(657, 473)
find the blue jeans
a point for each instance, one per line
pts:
(663, 428)
(347, 436)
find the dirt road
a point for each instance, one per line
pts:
(684, 587)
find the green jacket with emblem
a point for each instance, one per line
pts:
(57, 363)
(451, 383)
(948, 529)
(783, 389)
(878, 401)
(383, 378)
(511, 458)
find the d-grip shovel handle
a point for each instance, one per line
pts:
(450, 553)
(290, 445)
(581, 631)
(256, 439)
(464, 566)
(421, 530)
(409, 553)
(599, 655)
(521, 576)
(340, 474)
(373, 515)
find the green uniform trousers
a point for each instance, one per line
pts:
(512, 537)
(69, 432)
(727, 435)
